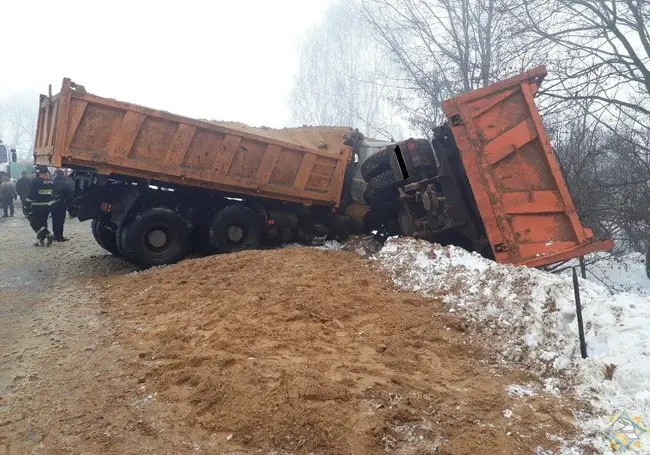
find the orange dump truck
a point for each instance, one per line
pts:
(159, 186)
(488, 180)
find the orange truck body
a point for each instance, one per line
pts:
(303, 165)
(523, 200)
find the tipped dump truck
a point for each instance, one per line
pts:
(488, 180)
(159, 186)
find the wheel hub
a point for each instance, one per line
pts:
(235, 233)
(157, 238)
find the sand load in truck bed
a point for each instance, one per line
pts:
(310, 137)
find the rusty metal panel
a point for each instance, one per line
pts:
(45, 128)
(518, 187)
(303, 165)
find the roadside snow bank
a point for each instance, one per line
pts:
(531, 316)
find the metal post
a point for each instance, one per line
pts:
(581, 330)
(583, 268)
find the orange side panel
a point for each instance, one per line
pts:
(77, 129)
(514, 174)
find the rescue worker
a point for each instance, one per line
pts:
(38, 202)
(22, 188)
(63, 190)
(7, 196)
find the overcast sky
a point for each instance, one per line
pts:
(223, 60)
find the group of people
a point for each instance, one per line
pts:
(40, 196)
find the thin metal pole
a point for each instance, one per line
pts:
(583, 268)
(581, 330)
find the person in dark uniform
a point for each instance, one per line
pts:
(38, 202)
(63, 190)
(22, 188)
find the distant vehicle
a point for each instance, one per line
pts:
(8, 158)
(4, 157)
(158, 186)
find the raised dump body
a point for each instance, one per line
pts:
(488, 180)
(80, 130)
(515, 178)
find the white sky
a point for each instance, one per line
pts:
(223, 60)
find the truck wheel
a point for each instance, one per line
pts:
(342, 226)
(157, 236)
(375, 164)
(95, 227)
(105, 237)
(381, 189)
(119, 238)
(235, 228)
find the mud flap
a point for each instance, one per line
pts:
(122, 208)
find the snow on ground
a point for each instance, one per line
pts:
(532, 316)
(625, 273)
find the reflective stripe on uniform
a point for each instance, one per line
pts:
(46, 191)
(42, 203)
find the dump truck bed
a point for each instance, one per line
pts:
(514, 175)
(79, 130)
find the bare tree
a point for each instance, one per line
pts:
(447, 47)
(339, 80)
(607, 174)
(601, 53)
(600, 67)
(18, 115)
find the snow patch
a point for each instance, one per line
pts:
(521, 390)
(623, 273)
(531, 315)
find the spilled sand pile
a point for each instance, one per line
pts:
(299, 351)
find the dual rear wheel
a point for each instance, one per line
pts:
(234, 228)
(156, 236)
(104, 235)
(159, 235)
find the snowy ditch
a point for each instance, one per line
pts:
(531, 315)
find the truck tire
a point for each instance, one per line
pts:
(339, 226)
(96, 228)
(106, 238)
(119, 238)
(157, 236)
(381, 189)
(375, 164)
(235, 228)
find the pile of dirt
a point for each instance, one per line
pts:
(307, 351)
